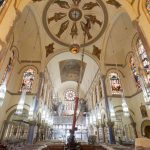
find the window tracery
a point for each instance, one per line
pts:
(148, 6)
(27, 81)
(144, 59)
(115, 83)
(134, 72)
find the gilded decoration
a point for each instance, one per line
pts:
(67, 20)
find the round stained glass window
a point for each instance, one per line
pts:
(70, 95)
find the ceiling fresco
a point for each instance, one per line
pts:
(67, 20)
(70, 70)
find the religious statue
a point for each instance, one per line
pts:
(63, 27)
(89, 6)
(56, 17)
(62, 4)
(113, 2)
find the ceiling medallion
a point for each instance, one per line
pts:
(66, 19)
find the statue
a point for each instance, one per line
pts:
(62, 4)
(89, 6)
(96, 51)
(86, 28)
(93, 19)
(63, 27)
(113, 2)
(49, 49)
(56, 17)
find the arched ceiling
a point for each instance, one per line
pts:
(48, 27)
(120, 40)
(54, 69)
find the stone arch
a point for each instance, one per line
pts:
(26, 67)
(144, 124)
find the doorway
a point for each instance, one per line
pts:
(147, 131)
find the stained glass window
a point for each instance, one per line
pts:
(8, 68)
(70, 95)
(134, 71)
(115, 83)
(144, 59)
(148, 6)
(28, 78)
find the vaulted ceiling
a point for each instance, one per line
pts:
(101, 27)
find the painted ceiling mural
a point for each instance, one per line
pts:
(70, 70)
(67, 20)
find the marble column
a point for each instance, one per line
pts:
(109, 122)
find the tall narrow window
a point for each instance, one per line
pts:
(135, 73)
(148, 6)
(115, 83)
(27, 81)
(8, 69)
(144, 59)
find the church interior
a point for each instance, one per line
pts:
(74, 74)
